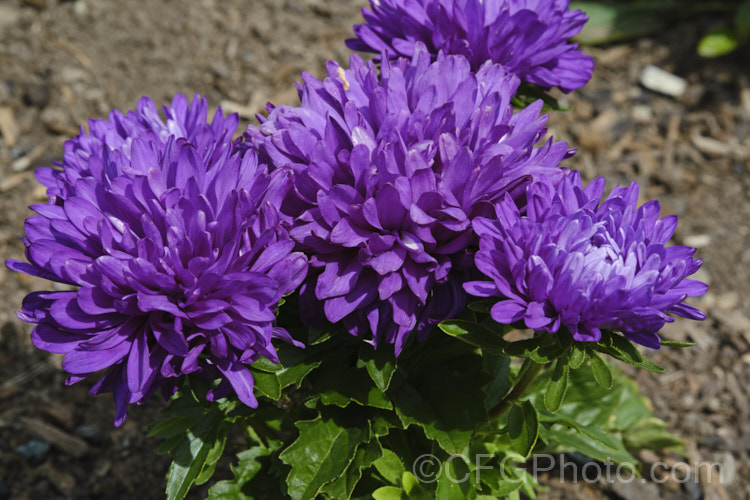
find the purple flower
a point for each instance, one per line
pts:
(571, 262)
(389, 172)
(173, 241)
(527, 37)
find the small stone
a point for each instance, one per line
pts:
(34, 451)
(9, 128)
(714, 405)
(80, 8)
(9, 15)
(642, 113)
(697, 240)
(90, 433)
(56, 120)
(661, 81)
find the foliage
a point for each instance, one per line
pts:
(623, 20)
(341, 420)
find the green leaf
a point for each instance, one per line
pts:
(497, 366)
(266, 384)
(672, 343)
(387, 493)
(482, 306)
(213, 456)
(557, 385)
(380, 364)
(591, 431)
(455, 481)
(650, 434)
(602, 373)
(523, 427)
(621, 21)
(585, 401)
(542, 348)
(265, 365)
(442, 406)
(572, 440)
(190, 455)
(576, 357)
(321, 453)
(169, 427)
(247, 468)
(364, 457)
(298, 363)
(718, 42)
(389, 466)
(473, 334)
(410, 483)
(621, 348)
(351, 385)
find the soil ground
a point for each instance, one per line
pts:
(62, 62)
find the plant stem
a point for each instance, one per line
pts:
(529, 370)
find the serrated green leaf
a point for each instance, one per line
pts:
(718, 42)
(342, 487)
(523, 427)
(266, 384)
(351, 385)
(602, 373)
(190, 455)
(265, 365)
(473, 334)
(380, 364)
(245, 470)
(388, 493)
(321, 453)
(442, 407)
(390, 466)
(557, 385)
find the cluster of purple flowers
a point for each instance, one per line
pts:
(389, 172)
(529, 38)
(403, 187)
(172, 237)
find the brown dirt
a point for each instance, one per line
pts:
(62, 62)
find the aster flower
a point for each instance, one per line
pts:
(528, 37)
(389, 172)
(571, 262)
(172, 240)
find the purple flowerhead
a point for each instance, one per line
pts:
(389, 171)
(529, 38)
(570, 262)
(171, 238)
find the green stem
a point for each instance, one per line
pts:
(529, 370)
